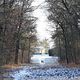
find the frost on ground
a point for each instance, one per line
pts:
(39, 73)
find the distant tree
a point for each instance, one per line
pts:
(45, 44)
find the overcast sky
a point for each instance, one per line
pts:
(42, 22)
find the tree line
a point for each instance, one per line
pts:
(17, 31)
(65, 14)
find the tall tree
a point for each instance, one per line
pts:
(16, 20)
(65, 13)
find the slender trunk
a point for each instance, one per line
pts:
(77, 56)
(65, 44)
(65, 41)
(17, 51)
(18, 35)
(59, 48)
(22, 56)
(72, 44)
(3, 33)
(76, 52)
(66, 50)
(29, 51)
(77, 39)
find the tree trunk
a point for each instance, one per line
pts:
(17, 51)
(22, 56)
(65, 43)
(29, 51)
(59, 48)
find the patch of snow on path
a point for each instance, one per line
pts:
(30, 73)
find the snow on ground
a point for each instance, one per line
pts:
(49, 69)
(44, 59)
(37, 73)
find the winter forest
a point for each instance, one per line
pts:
(19, 38)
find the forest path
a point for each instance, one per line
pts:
(44, 72)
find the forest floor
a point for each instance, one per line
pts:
(42, 71)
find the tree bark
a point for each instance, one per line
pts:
(65, 43)
(59, 47)
(29, 51)
(17, 51)
(22, 56)
(18, 35)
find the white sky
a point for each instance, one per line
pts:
(42, 22)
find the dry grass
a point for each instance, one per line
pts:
(70, 65)
(73, 65)
(11, 66)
